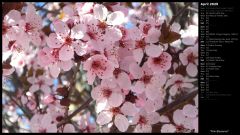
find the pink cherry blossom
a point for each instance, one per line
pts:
(113, 95)
(160, 63)
(98, 65)
(177, 83)
(189, 58)
(144, 121)
(41, 82)
(42, 124)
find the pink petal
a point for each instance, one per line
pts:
(124, 81)
(189, 40)
(115, 18)
(68, 128)
(104, 117)
(34, 88)
(178, 117)
(190, 111)
(173, 90)
(66, 65)
(153, 118)
(12, 17)
(121, 122)
(96, 93)
(24, 99)
(143, 128)
(114, 33)
(187, 85)
(135, 70)
(68, 9)
(100, 12)
(48, 99)
(53, 41)
(138, 54)
(66, 53)
(153, 35)
(78, 31)
(90, 77)
(46, 89)
(168, 128)
(61, 28)
(115, 99)
(192, 70)
(149, 106)
(164, 119)
(153, 50)
(54, 70)
(138, 87)
(129, 109)
(151, 93)
(80, 48)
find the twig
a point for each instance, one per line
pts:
(178, 102)
(27, 114)
(67, 119)
(178, 13)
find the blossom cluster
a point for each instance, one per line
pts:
(134, 71)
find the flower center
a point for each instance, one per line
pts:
(4, 29)
(115, 110)
(146, 28)
(102, 25)
(96, 65)
(55, 53)
(106, 93)
(146, 79)
(91, 35)
(28, 27)
(178, 82)
(131, 97)
(191, 58)
(142, 120)
(42, 130)
(140, 44)
(116, 72)
(68, 41)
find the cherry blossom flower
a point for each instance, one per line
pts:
(109, 92)
(118, 113)
(98, 65)
(42, 124)
(98, 33)
(40, 82)
(186, 118)
(160, 63)
(31, 25)
(148, 82)
(190, 36)
(189, 58)
(178, 82)
(64, 40)
(144, 121)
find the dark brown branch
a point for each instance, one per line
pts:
(178, 13)
(67, 119)
(178, 102)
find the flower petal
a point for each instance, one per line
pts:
(154, 50)
(66, 53)
(104, 117)
(115, 18)
(115, 99)
(121, 122)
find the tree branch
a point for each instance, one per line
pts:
(178, 102)
(178, 13)
(67, 119)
